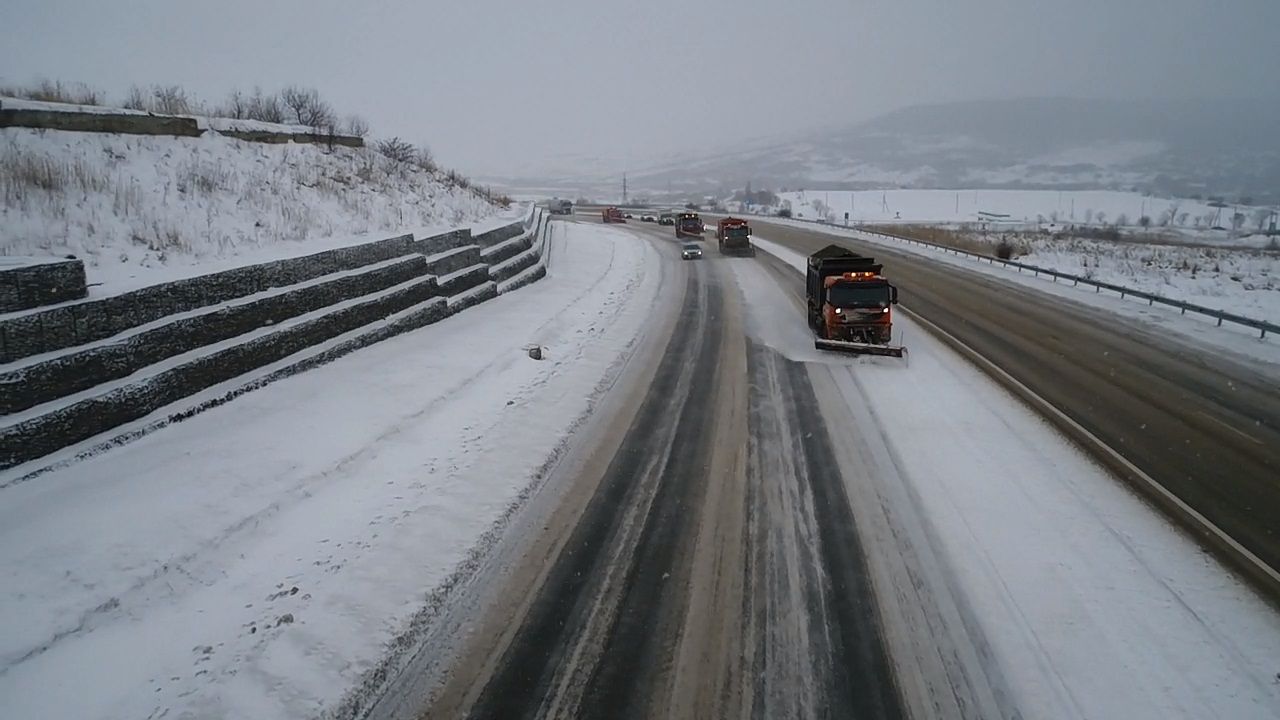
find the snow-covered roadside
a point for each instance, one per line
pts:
(1094, 605)
(1242, 341)
(145, 209)
(1243, 282)
(254, 560)
(1178, 218)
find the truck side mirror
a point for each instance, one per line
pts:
(893, 295)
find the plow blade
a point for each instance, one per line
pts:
(857, 348)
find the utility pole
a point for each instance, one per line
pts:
(624, 188)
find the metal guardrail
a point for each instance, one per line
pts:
(1262, 326)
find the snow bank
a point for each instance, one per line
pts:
(256, 559)
(145, 209)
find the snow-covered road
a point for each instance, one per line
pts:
(262, 558)
(1092, 604)
(256, 559)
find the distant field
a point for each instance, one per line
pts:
(1187, 220)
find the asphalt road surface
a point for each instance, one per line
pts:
(691, 571)
(705, 559)
(1205, 427)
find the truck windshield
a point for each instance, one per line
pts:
(739, 231)
(859, 295)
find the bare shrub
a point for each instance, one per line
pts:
(265, 107)
(397, 150)
(423, 159)
(1004, 249)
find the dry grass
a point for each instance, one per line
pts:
(1007, 245)
(55, 91)
(24, 175)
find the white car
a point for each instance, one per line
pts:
(648, 217)
(689, 251)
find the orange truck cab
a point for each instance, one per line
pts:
(612, 215)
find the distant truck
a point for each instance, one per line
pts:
(612, 215)
(667, 218)
(734, 237)
(850, 303)
(688, 224)
(559, 206)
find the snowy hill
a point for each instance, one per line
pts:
(140, 209)
(1179, 148)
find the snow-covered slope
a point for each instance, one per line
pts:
(140, 209)
(1208, 147)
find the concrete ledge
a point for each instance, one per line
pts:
(418, 316)
(82, 420)
(436, 244)
(132, 124)
(532, 275)
(266, 136)
(512, 267)
(497, 235)
(463, 280)
(80, 370)
(474, 296)
(507, 249)
(25, 285)
(85, 322)
(452, 261)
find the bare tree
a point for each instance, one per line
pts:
(355, 126)
(171, 100)
(237, 106)
(265, 108)
(307, 106)
(1145, 221)
(397, 150)
(1260, 217)
(1122, 220)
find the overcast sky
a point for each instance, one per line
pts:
(503, 86)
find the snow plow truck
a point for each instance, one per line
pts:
(734, 236)
(612, 215)
(688, 224)
(850, 303)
